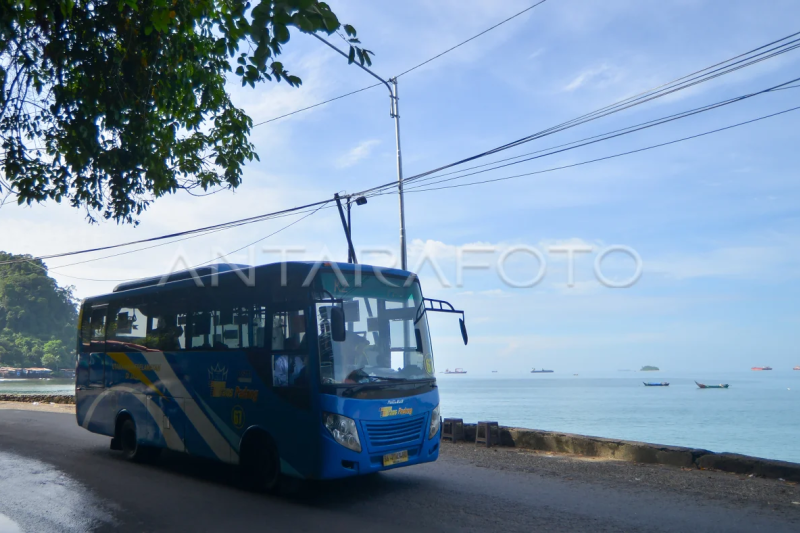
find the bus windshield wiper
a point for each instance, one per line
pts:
(362, 374)
(387, 378)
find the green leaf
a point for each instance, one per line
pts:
(281, 33)
(141, 108)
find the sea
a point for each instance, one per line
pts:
(758, 415)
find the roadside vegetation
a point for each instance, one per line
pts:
(37, 317)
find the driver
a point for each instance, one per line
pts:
(353, 354)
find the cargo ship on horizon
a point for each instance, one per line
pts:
(541, 371)
(456, 371)
(757, 368)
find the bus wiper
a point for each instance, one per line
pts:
(360, 373)
(355, 389)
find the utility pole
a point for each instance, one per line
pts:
(394, 112)
(396, 115)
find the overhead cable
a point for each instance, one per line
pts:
(606, 157)
(684, 82)
(273, 119)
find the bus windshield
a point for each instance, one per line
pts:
(382, 343)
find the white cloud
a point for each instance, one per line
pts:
(361, 151)
(536, 53)
(599, 76)
(764, 262)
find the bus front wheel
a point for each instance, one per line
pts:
(131, 449)
(261, 464)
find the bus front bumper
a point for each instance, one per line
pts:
(339, 462)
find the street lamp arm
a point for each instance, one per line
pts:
(357, 64)
(394, 112)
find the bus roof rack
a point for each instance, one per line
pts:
(207, 270)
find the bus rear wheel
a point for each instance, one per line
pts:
(131, 449)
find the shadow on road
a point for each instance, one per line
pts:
(336, 493)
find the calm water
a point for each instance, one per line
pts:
(37, 386)
(758, 415)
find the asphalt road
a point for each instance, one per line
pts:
(55, 476)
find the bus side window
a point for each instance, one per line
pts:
(200, 326)
(289, 330)
(227, 329)
(128, 328)
(259, 326)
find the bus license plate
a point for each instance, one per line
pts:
(395, 458)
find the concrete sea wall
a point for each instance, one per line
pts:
(40, 398)
(641, 452)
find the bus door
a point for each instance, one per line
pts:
(91, 375)
(289, 339)
(166, 403)
(91, 360)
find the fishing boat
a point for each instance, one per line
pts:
(456, 371)
(656, 384)
(541, 371)
(720, 386)
(759, 368)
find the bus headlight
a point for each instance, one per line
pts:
(343, 430)
(434, 423)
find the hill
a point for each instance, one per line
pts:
(37, 317)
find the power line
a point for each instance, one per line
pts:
(603, 158)
(661, 91)
(67, 275)
(404, 72)
(225, 225)
(639, 99)
(192, 236)
(427, 188)
(665, 89)
(487, 30)
(596, 138)
(315, 105)
(314, 211)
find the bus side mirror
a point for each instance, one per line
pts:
(463, 331)
(337, 324)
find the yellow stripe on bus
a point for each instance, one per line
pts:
(130, 367)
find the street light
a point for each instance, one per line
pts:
(394, 112)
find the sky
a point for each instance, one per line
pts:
(705, 234)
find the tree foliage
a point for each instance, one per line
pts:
(110, 104)
(37, 317)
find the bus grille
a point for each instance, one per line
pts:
(395, 433)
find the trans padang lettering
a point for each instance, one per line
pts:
(389, 411)
(247, 394)
(131, 366)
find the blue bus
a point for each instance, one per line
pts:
(291, 370)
